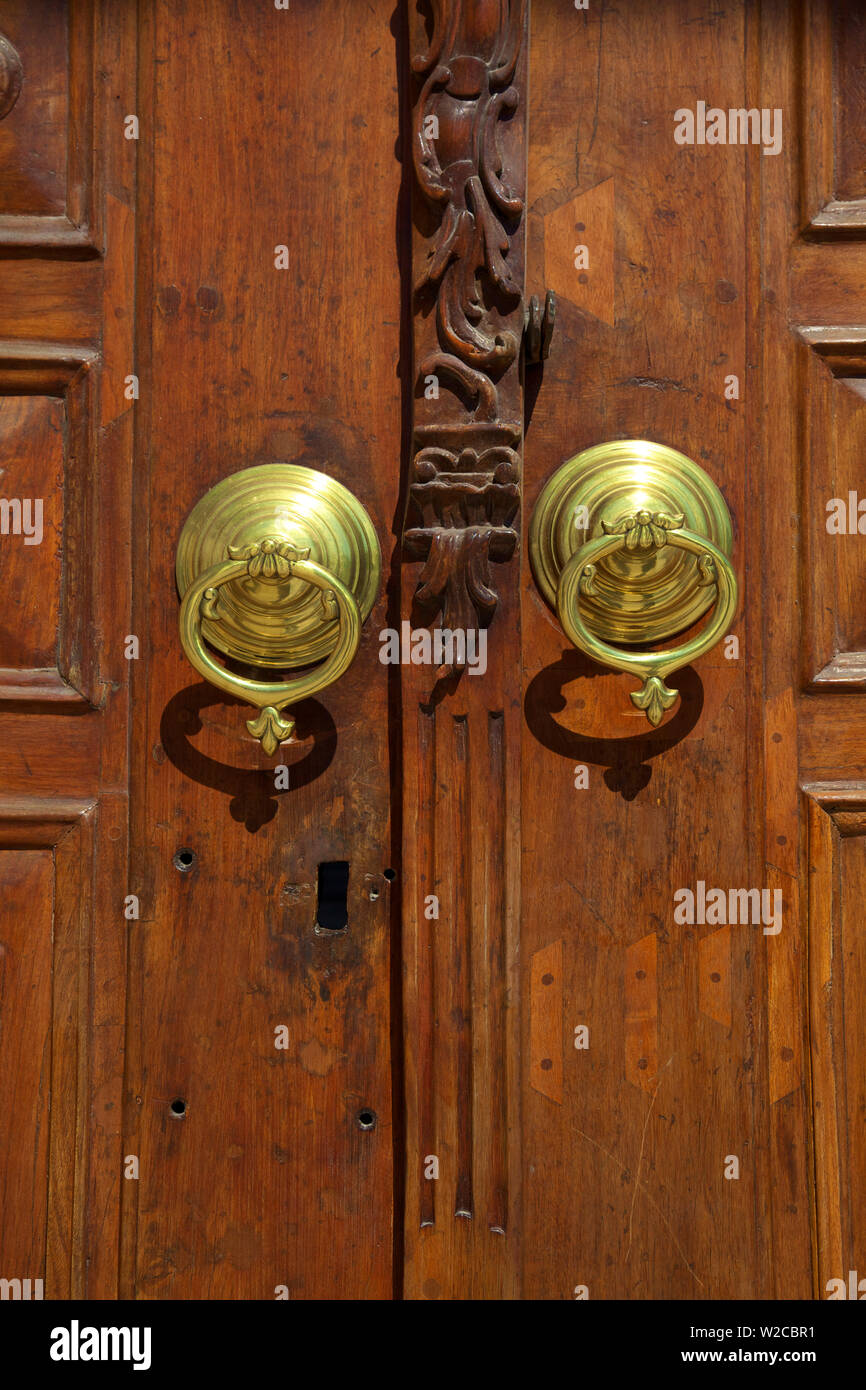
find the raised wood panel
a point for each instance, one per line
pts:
(31, 441)
(26, 883)
(833, 436)
(33, 136)
(46, 850)
(848, 23)
(48, 203)
(836, 864)
(51, 654)
(832, 48)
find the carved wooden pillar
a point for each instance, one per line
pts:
(462, 727)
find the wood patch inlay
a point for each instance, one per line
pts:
(641, 1013)
(714, 977)
(545, 1026)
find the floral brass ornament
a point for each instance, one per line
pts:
(271, 557)
(277, 566)
(631, 541)
(643, 530)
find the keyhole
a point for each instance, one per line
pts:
(332, 908)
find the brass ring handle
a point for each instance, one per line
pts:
(578, 578)
(201, 601)
(630, 544)
(277, 566)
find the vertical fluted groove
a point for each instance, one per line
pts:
(462, 958)
(426, 1043)
(494, 898)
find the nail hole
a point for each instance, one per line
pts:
(366, 1119)
(332, 907)
(183, 860)
(390, 874)
(178, 1109)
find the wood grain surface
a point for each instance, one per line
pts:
(621, 1103)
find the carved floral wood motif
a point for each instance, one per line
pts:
(464, 493)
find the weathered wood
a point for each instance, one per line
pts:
(64, 722)
(242, 362)
(635, 1147)
(497, 906)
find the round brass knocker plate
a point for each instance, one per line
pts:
(639, 596)
(267, 621)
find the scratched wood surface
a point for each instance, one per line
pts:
(268, 1179)
(702, 1038)
(242, 363)
(638, 1133)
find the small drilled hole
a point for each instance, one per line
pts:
(390, 874)
(183, 860)
(178, 1109)
(366, 1119)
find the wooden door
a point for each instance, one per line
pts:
(155, 342)
(708, 1142)
(530, 1064)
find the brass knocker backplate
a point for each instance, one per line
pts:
(630, 544)
(279, 622)
(277, 566)
(640, 595)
